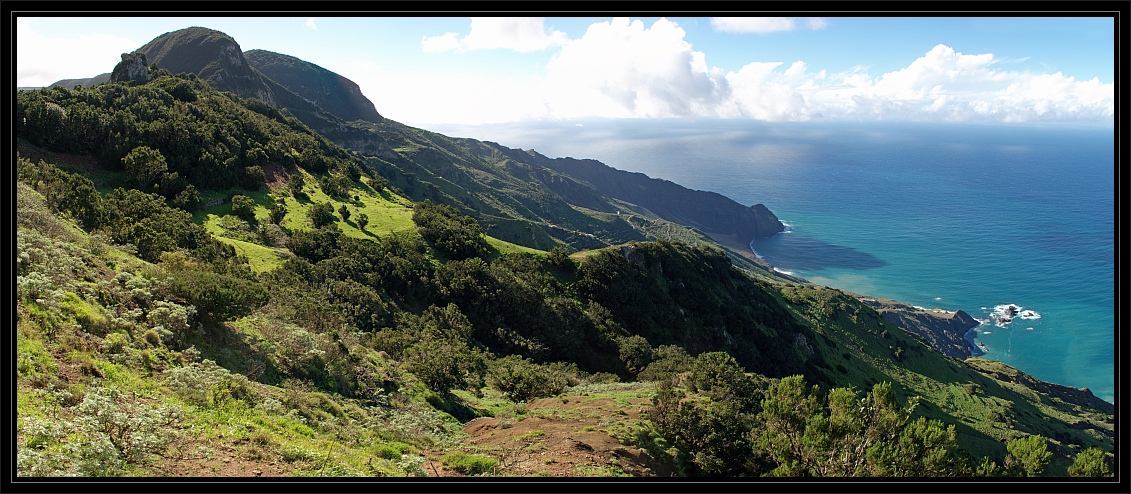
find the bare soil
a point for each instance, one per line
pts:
(558, 437)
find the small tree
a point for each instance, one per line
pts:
(560, 259)
(321, 214)
(1029, 454)
(144, 165)
(1091, 462)
(278, 211)
(362, 220)
(295, 183)
(345, 212)
(244, 207)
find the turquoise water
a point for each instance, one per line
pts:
(952, 216)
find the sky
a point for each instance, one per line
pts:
(469, 71)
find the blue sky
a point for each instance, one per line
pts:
(482, 70)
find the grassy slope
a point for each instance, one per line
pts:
(64, 352)
(389, 214)
(860, 350)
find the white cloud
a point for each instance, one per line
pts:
(625, 69)
(473, 100)
(521, 34)
(764, 25)
(622, 69)
(43, 60)
(444, 42)
(310, 23)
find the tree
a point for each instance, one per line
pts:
(144, 165)
(244, 207)
(253, 177)
(1091, 462)
(345, 212)
(321, 214)
(188, 199)
(295, 183)
(520, 379)
(1029, 455)
(452, 234)
(217, 297)
(560, 259)
(362, 220)
(278, 211)
(805, 438)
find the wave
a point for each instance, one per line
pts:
(782, 271)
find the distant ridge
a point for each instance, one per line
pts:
(71, 83)
(330, 91)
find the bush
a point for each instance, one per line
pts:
(207, 384)
(469, 464)
(217, 296)
(1091, 462)
(244, 207)
(521, 379)
(454, 235)
(1028, 455)
(321, 214)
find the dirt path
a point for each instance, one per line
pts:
(559, 437)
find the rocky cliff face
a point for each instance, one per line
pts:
(945, 331)
(133, 68)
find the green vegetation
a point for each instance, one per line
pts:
(324, 321)
(469, 464)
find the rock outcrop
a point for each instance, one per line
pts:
(134, 68)
(944, 331)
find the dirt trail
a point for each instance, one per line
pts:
(558, 437)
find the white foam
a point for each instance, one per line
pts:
(1029, 314)
(987, 332)
(1028, 329)
(782, 271)
(938, 298)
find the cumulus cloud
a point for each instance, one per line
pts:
(310, 23)
(622, 68)
(948, 85)
(521, 34)
(42, 60)
(765, 25)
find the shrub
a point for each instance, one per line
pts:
(1028, 455)
(520, 379)
(207, 384)
(244, 207)
(454, 235)
(1091, 462)
(469, 464)
(217, 296)
(321, 214)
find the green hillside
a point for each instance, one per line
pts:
(206, 286)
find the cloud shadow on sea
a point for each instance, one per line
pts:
(789, 251)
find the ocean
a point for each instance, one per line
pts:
(951, 216)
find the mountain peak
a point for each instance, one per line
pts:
(211, 55)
